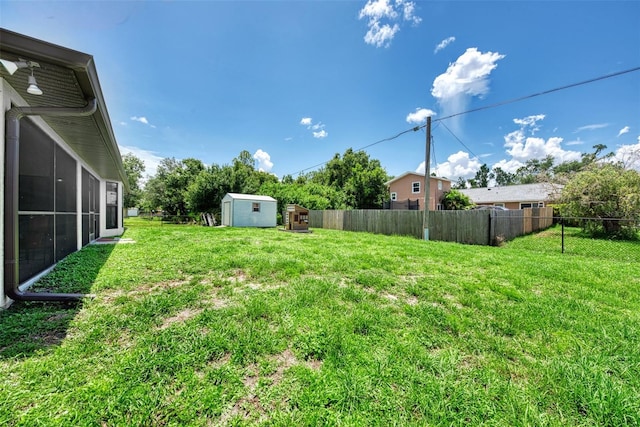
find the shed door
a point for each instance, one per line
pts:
(226, 213)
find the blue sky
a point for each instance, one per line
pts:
(295, 82)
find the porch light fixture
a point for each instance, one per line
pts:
(33, 88)
(13, 66)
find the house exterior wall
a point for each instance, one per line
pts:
(9, 97)
(403, 188)
(239, 212)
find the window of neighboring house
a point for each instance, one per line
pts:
(439, 206)
(439, 185)
(499, 204)
(415, 187)
(256, 207)
(532, 205)
(394, 196)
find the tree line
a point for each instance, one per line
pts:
(189, 187)
(593, 187)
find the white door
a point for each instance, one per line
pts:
(226, 213)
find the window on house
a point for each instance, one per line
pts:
(112, 205)
(415, 187)
(256, 207)
(394, 196)
(439, 185)
(499, 204)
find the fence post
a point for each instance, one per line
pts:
(562, 226)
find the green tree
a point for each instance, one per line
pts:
(134, 168)
(503, 177)
(206, 191)
(311, 195)
(360, 178)
(608, 193)
(167, 190)
(455, 200)
(535, 170)
(460, 184)
(482, 178)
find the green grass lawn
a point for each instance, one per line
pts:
(223, 326)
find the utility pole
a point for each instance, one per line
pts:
(427, 181)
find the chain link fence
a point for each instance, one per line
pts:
(587, 237)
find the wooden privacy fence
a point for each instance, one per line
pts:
(479, 227)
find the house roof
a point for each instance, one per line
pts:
(238, 196)
(68, 78)
(513, 193)
(418, 175)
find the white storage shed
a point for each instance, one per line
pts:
(248, 210)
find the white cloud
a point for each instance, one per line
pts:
(522, 148)
(408, 11)
(591, 127)
(629, 155)
(264, 160)
(381, 14)
(381, 35)
(317, 129)
(468, 76)
(322, 134)
(575, 142)
(142, 120)
(458, 164)
(465, 78)
(150, 159)
(530, 122)
(444, 43)
(623, 131)
(420, 115)
(510, 166)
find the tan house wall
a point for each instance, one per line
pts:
(403, 188)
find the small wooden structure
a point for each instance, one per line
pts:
(296, 219)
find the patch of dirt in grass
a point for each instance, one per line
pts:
(49, 338)
(391, 297)
(249, 406)
(412, 300)
(57, 317)
(142, 291)
(453, 301)
(182, 316)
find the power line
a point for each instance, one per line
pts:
(414, 129)
(462, 143)
(487, 107)
(545, 92)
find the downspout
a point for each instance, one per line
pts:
(11, 179)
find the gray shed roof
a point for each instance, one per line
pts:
(239, 196)
(68, 78)
(513, 193)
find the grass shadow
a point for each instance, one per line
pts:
(29, 327)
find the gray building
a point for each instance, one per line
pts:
(63, 179)
(249, 210)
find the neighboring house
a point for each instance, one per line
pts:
(410, 185)
(248, 210)
(63, 179)
(515, 196)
